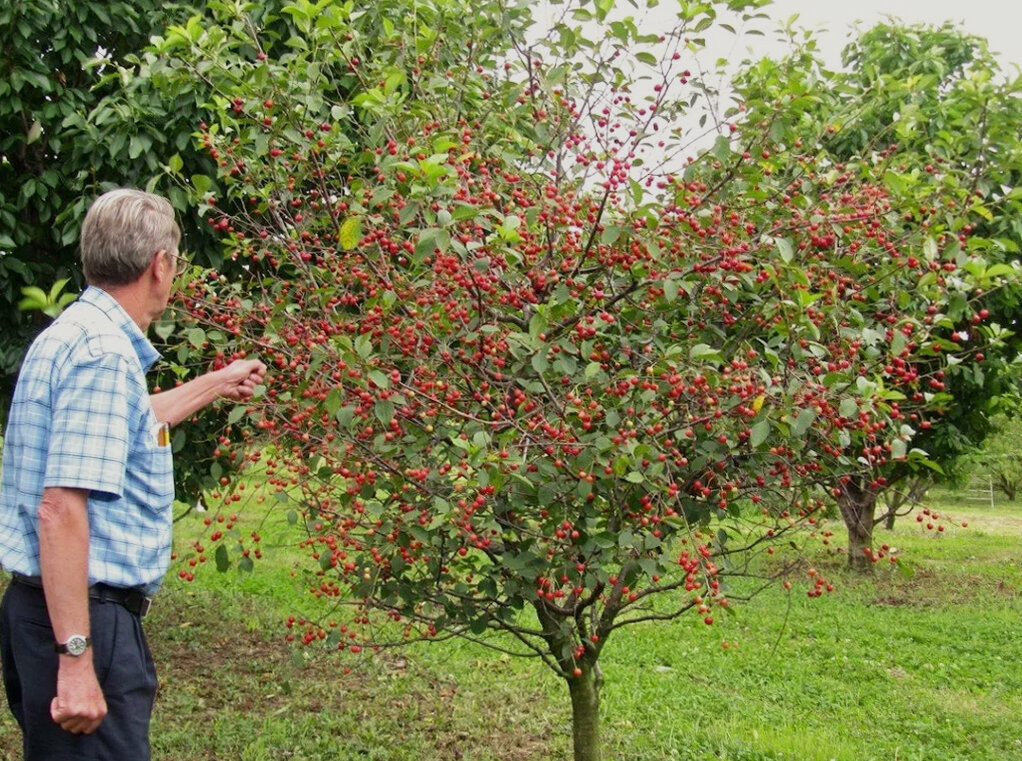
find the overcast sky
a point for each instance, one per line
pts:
(999, 21)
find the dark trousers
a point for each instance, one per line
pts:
(124, 668)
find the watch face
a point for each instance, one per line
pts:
(76, 644)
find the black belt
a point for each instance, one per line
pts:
(132, 598)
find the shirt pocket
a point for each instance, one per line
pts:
(157, 462)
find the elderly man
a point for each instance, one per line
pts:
(87, 487)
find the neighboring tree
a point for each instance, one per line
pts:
(51, 162)
(936, 106)
(81, 111)
(1001, 458)
(529, 378)
(902, 498)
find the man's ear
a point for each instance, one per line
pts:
(162, 265)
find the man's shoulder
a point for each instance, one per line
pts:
(83, 331)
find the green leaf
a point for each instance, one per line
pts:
(345, 415)
(350, 234)
(537, 324)
(702, 351)
(610, 235)
(384, 411)
(760, 433)
(35, 299)
(430, 239)
(803, 422)
(999, 270)
(785, 249)
(603, 7)
(237, 413)
(849, 409)
(56, 288)
(223, 562)
(395, 79)
(196, 337)
(34, 132)
(201, 183)
(164, 329)
(364, 346)
(139, 144)
(332, 403)
(722, 148)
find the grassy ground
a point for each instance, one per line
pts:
(917, 664)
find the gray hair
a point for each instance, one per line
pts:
(121, 234)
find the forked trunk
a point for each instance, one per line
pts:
(584, 680)
(585, 713)
(911, 494)
(858, 505)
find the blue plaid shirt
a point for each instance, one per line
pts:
(81, 418)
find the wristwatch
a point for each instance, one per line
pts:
(76, 645)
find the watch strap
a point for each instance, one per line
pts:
(64, 648)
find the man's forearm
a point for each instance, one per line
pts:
(79, 705)
(64, 560)
(236, 382)
(181, 402)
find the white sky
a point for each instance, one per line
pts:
(999, 21)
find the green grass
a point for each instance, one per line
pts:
(921, 662)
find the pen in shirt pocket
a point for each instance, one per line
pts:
(161, 432)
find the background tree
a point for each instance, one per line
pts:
(1001, 458)
(83, 110)
(936, 106)
(530, 379)
(52, 160)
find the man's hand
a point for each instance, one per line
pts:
(79, 707)
(239, 379)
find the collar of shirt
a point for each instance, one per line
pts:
(107, 304)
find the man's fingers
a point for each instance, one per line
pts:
(84, 723)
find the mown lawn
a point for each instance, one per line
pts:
(921, 662)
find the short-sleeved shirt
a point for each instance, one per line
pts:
(81, 418)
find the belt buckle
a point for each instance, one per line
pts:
(147, 603)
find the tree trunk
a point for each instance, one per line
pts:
(584, 680)
(858, 504)
(896, 498)
(585, 713)
(892, 513)
(1006, 485)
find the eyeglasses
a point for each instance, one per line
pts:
(181, 263)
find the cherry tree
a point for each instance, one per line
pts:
(537, 374)
(935, 110)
